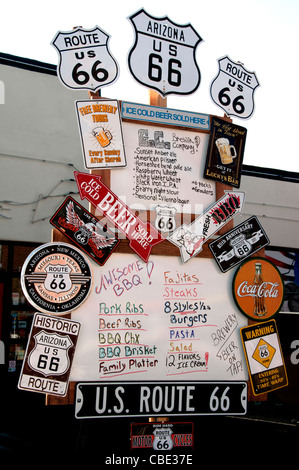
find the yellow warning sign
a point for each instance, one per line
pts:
(264, 353)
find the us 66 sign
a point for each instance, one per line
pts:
(233, 89)
(163, 55)
(85, 61)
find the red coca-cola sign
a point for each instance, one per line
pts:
(258, 289)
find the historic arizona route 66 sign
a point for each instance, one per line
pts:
(233, 89)
(163, 55)
(85, 61)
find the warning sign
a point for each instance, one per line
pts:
(264, 357)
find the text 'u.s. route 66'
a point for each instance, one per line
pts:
(115, 399)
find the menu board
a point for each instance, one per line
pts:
(165, 167)
(159, 320)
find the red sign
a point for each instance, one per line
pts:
(142, 236)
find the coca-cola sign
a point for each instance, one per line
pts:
(258, 289)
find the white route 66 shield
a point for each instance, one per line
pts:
(163, 55)
(85, 61)
(233, 88)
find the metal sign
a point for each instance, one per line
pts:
(163, 55)
(162, 436)
(233, 88)
(85, 230)
(101, 134)
(190, 238)
(49, 355)
(143, 236)
(56, 278)
(264, 357)
(258, 289)
(225, 152)
(238, 244)
(85, 61)
(126, 399)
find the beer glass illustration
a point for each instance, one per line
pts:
(227, 152)
(102, 135)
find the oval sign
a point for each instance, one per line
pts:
(258, 289)
(56, 278)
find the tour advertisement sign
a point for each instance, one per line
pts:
(101, 134)
(225, 152)
(233, 88)
(56, 278)
(49, 355)
(85, 230)
(239, 243)
(85, 61)
(258, 289)
(162, 436)
(264, 357)
(162, 52)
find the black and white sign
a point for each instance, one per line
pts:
(110, 399)
(233, 88)
(85, 60)
(163, 55)
(239, 243)
(49, 355)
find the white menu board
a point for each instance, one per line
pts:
(159, 320)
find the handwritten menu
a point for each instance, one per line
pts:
(159, 320)
(165, 166)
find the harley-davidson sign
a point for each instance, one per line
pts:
(163, 55)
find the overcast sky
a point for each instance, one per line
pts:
(262, 34)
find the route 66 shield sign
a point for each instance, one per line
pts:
(163, 55)
(233, 88)
(85, 61)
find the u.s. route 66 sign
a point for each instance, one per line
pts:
(85, 61)
(233, 88)
(163, 55)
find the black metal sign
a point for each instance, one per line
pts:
(124, 399)
(85, 230)
(238, 244)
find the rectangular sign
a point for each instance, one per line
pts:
(85, 230)
(225, 152)
(173, 117)
(101, 134)
(236, 245)
(112, 399)
(49, 355)
(264, 357)
(162, 436)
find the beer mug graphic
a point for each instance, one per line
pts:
(227, 152)
(103, 136)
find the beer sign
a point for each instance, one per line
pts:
(258, 289)
(49, 355)
(264, 357)
(84, 59)
(163, 55)
(233, 88)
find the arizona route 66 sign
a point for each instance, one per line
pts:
(233, 88)
(85, 61)
(163, 55)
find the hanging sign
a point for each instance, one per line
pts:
(264, 357)
(142, 236)
(101, 134)
(163, 55)
(49, 355)
(225, 152)
(162, 436)
(190, 238)
(233, 88)
(85, 230)
(56, 278)
(258, 289)
(238, 244)
(84, 59)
